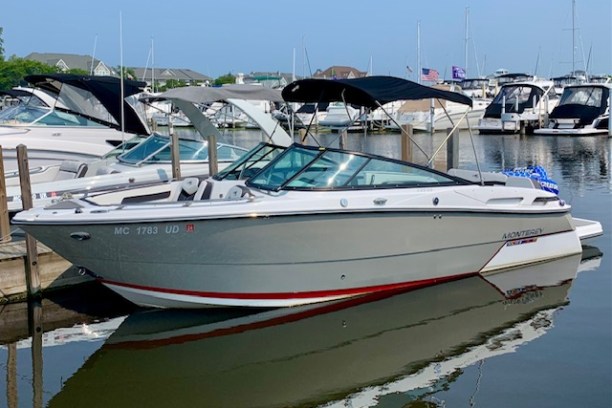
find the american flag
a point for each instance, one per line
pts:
(428, 74)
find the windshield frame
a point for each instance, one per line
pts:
(291, 180)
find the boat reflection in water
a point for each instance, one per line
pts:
(343, 353)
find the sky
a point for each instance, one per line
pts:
(240, 36)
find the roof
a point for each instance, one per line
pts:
(339, 71)
(208, 94)
(106, 89)
(368, 91)
(71, 60)
(164, 74)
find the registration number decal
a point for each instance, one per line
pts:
(145, 230)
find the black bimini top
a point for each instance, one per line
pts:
(368, 92)
(106, 89)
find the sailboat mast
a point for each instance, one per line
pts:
(573, 37)
(152, 66)
(467, 37)
(419, 51)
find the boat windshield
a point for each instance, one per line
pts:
(22, 115)
(158, 149)
(312, 168)
(250, 163)
(585, 96)
(517, 97)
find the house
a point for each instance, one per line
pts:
(339, 72)
(275, 80)
(66, 62)
(163, 75)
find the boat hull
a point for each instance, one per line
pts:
(287, 260)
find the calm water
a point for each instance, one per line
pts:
(547, 343)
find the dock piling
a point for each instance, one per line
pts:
(31, 267)
(452, 150)
(407, 142)
(5, 228)
(343, 138)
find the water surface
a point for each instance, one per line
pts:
(533, 337)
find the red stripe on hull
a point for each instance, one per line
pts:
(296, 295)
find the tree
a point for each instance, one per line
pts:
(225, 79)
(1, 45)
(128, 73)
(14, 69)
(172, 83)
(77, 71)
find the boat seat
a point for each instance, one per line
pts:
(473, 176)
(71, 169)
(238, 192)
(523, 182)
(204, 191)
(188, 189)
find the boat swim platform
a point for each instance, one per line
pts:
(54, 271)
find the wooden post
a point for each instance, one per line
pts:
(5, 227)
(35, 322)
(31, 266)
(213, 164)
(452, 151)
(343, 137)
(406, 154)
(302, 136)
(11, 377)
(176, 153)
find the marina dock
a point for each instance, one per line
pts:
(54, 271)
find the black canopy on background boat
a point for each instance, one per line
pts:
(106, 89)
(367, 91)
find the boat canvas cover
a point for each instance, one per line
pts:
(371, 92)
(525, 93)
(586, 111)
(106, 89)
(209, 94)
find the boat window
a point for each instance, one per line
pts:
(145, 149)
(22, 114)
(85, 103)
(332, 169)
(283, 168)
(587, 96)
(517, 96)
(250, 163)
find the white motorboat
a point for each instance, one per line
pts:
(518, 107)
(341, 115)
(582, 110)
(83, 119)
(149, 162)
(312, 225)
(311, 114)
(425, 116)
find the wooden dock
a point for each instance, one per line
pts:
(55, 272)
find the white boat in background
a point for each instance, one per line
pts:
(477, 88)
(446, 114)
(148, 164)
(519, 106)
(582, 110)
(82, 119)
(311, 114)
(246, 248)
(341, 116)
